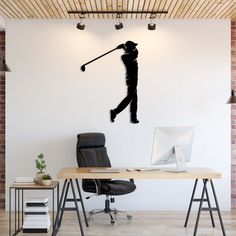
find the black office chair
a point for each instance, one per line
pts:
(91, 152)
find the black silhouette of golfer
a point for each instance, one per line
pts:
(129, 59)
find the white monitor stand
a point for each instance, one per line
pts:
(172, 145)
(180, 161)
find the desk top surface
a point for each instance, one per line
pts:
(191, 173)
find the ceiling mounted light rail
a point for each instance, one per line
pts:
(119, 25)
(117, 12)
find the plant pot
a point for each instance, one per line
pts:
(46, 182)
(39, 177)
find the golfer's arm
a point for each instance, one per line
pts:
(130, 57)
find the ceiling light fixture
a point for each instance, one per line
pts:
(3, 66)
(80, 25)
(232, 99)
(119, 24)
(151, 25)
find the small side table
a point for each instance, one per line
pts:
(19, 200)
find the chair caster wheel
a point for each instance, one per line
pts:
(88, 218)
(115, 212)
(113, 222)
(129, 217)
(90, 213)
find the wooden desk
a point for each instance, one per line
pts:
(204, 174)
(84, 173)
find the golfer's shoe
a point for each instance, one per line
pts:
(134, 121)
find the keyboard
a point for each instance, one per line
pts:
(104, 170)
(143, 169)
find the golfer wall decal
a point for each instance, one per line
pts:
(129, 59)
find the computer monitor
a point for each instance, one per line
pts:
(172, 145)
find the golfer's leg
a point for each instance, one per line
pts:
(134, 106)
(124, 103)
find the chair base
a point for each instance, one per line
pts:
(110, 211)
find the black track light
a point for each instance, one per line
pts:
(118, 25)
(80, 25)
(151, 25)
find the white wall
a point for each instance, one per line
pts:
(184, 80)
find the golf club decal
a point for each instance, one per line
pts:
(129, 59)
(83, 66)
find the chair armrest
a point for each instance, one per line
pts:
(98, 186)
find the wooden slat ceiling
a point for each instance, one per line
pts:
(177, 9)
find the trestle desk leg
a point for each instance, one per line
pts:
(15, 209)
(22, 206)
(64, 203)
(210, 210)
(18, 209)
(200, 206)
(77, 208)
(190, 204)
(82, 202)
(53, 220)
(9, 211)
(218, 208)
(56, 228)
(57, 196)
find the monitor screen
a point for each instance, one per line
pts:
(171, 143)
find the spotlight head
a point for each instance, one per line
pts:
(119, 26)
(80, 26)
(151, 26)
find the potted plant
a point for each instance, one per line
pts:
(40, 165)
(46, 180)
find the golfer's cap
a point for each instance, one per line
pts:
(130, 44)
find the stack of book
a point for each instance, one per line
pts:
(37, 218)
(24, 180)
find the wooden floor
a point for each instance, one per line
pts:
(143, 224)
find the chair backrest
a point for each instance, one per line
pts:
(91, 150)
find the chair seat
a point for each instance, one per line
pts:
(117, 187)
(111, 187)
